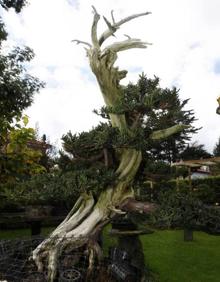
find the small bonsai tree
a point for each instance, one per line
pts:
(185, 210)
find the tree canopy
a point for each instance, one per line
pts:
(195, 151)
(15, 4)
(147, 108)
(216, 150)
(17, 88)
(18, 160)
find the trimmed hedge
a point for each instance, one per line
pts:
(206, 189)
(46, 189)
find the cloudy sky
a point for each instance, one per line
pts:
(185, 53)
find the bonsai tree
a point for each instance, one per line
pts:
(180, 209)
(127, 115)
(185, 210)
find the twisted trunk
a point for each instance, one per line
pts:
(84, 221)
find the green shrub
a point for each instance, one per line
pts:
(178, 209)
(207, 189)
(58, 188)
(184, 210)
(46, 189)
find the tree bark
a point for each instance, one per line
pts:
(86, 217)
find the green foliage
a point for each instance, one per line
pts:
(194, 151)
(42, 189)
(16, 85)
(211, 220)
(215, 169)
(16, 4)
(205, 193)
(59, 189)
(184, 210)
(158, 171)
(216, 150)
(206, 189)
(148, 107)
(80, 145)
(17, 159)
(179, 210)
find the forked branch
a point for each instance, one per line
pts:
(115, 26)
(112, 28)
(82, 42)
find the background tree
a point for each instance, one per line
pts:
(216, 153)
(216, 150)
(17, 89)
(48, 152)
(171, 110)
(128, 138)
(16, 4)
(195, 151)
(18, 160)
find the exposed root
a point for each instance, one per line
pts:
(51, 249)
(63, 236)
(91, 264)
(79, 229)
(52, 263)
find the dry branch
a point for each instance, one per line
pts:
(94, 28)
(82, 42)
(109, 32)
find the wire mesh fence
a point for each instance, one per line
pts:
(14, 260)
(16, 265)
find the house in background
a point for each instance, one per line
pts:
(201, 172)
(199, 168)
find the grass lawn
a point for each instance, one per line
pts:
(168, 255)
(21, 233)
(178, 261)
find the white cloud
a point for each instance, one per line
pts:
(185, 48)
